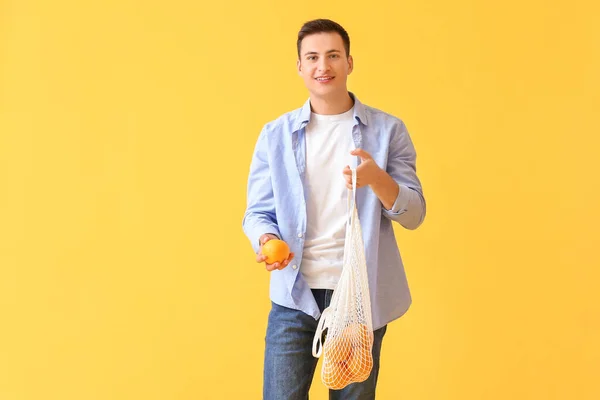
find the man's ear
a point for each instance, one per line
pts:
(299, 66)
(350, 64)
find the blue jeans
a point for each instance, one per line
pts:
(289, 364)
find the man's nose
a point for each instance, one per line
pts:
(323, 65)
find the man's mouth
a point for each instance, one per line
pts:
(324, 78)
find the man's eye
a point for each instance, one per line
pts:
(334, 56)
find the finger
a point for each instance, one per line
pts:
(286, 262)
(264, 239)
(290, 257)
(272, 267)
(269, 267)
(361, 153)
(260, 258)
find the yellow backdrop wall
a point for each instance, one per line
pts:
(126, 132)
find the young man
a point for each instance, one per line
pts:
(297, 191)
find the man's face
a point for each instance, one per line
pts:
(323, 64)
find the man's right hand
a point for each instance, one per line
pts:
(262, 258)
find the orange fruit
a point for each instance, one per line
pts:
(276, 251)
(348, 357)
(336, 375)
(358, 335)
(366, 337)
(337, 349)
(361, 363)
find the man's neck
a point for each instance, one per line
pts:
(331, 105)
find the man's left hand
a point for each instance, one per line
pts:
(367, 173)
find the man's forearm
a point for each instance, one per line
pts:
(386, 189)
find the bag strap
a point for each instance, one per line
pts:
(319, 333)
(351, 204)
(351, 199)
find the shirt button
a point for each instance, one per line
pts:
(299, 235)
(294, 266)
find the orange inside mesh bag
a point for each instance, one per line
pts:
(347, 357)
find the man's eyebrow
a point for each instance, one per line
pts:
(329, 51)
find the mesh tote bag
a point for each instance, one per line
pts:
(346, 324)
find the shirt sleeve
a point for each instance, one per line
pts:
(401, 201)
(260, 217)
(409, 208)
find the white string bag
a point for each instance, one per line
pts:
(347, 350)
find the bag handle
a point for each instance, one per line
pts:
(319, 333)
(351, 199)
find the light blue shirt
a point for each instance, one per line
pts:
(276, 204)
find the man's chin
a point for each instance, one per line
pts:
(328, 92)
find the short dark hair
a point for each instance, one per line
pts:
(323, 25)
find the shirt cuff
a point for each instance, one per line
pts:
(402, 200)
(260, 229)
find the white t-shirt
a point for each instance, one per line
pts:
(328, 145)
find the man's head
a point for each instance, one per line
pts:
(324, 60)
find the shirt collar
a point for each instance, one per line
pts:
(304, 116)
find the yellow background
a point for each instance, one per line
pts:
(126, 132)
